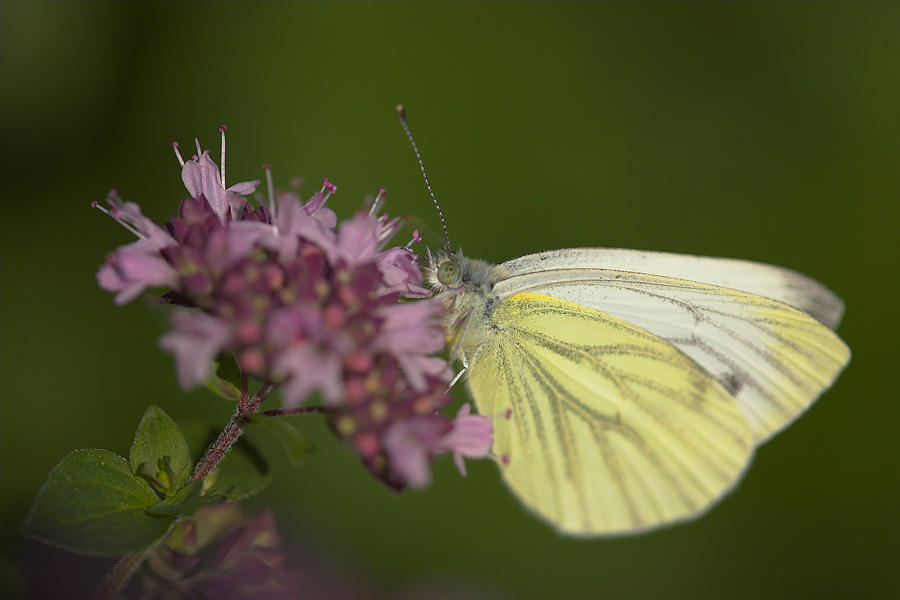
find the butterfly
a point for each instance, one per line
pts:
(635, 385)
(631, 388)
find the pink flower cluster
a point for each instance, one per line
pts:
(306, 303)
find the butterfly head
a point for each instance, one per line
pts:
(450, 270)
(464, 286)
(443, 270)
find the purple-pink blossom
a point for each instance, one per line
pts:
(136, 266)
(202, 179)
(411, 443)
(305, 302)
(195, 339)
(471, 436)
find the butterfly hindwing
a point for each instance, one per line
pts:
(611, 429)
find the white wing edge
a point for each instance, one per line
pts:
(777, 283)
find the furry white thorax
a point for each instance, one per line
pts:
(471, 294)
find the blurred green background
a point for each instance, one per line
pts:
(764, 131)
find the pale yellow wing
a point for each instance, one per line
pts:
(769, 281)
(611, 429)
(773, 358)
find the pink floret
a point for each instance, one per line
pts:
(471, 437)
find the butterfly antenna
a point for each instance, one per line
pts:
(401, 114)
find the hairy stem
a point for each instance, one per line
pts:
(230, 434)
(300, 410)
(119, 576)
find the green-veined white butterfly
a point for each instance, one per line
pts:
(636, 384)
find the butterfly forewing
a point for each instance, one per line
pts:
(769, 281)
(773, 358)
(612, 429)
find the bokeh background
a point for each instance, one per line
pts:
(763, 131)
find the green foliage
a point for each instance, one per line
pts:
(92, 503)
(96, 502)
(226, 380)
(184, 502)
(159, 452)
(295, 444)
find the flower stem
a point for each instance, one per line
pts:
(300, 410)
(119, 576)
(230, 434)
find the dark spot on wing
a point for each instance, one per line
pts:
(732, 383)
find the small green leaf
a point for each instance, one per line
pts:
(91, 503)
(242, 473)
(185, 502)
(296, 445)
(160, 443)
(226, 381)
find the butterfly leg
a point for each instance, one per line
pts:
(460, 374)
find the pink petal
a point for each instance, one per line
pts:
(195, 340)
(357, 239)
(471, 436)
(408, 446)
(129, 272)
(308, 370)
(244, 188)
(201, 178)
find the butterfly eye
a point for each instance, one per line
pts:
(448, 272)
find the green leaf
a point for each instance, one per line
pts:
(160, 446)
(242, 473)
(296, 445)
(185, 502)
(226, 380)
(91, 503)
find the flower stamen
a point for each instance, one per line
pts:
(177, 153)
(222, 164)
(415, 238)
(270, 188)
(116, 203)
(378, 202)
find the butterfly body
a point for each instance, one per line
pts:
(637, 384)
